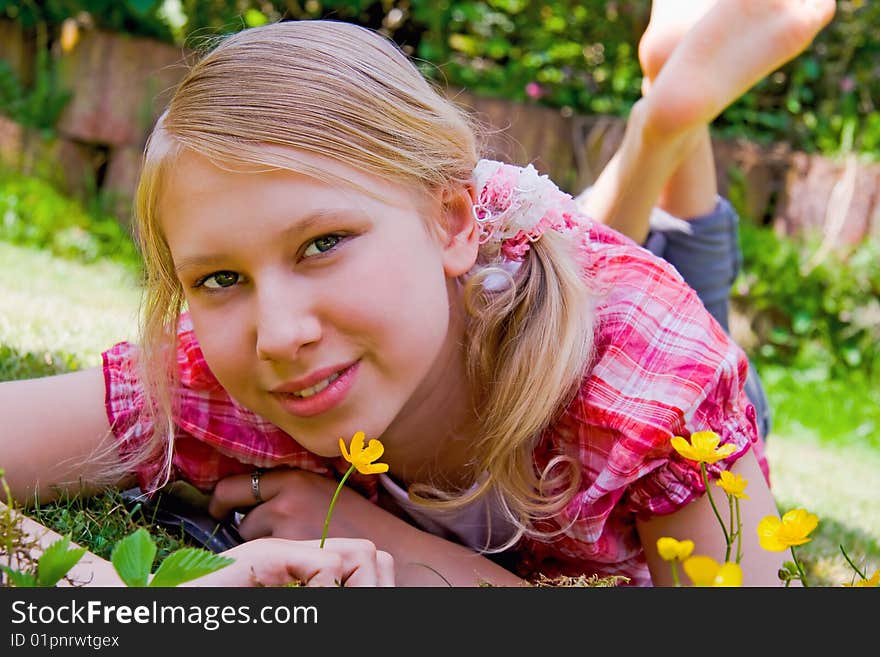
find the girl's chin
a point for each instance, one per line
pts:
(325, 446)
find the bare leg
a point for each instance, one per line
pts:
(734, 45)
(692, 188)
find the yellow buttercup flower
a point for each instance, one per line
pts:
(671, 549)
(703, 447)
(362, 458)
(872, 582)
(733, 484)
(776, 535)
(705, 571)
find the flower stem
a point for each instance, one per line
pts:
(714, 508)
(332, 504)
(800, 569)
(850, 562)
(733, 532)
(739, 538)
(674, 564)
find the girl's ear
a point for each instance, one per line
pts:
(461, 236)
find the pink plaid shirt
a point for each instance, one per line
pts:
(661, 367)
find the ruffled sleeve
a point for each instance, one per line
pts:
(124, 404)
(662, 366)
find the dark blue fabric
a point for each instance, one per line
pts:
(705, 251)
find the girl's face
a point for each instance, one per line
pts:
(320, 308)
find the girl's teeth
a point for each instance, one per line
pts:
(318, 387)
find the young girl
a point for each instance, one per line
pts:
(326, 253)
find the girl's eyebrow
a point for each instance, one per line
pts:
(308, 223)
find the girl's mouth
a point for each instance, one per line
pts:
(320, 397)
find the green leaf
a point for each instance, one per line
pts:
(56, 561)
(141, 7)
(133, 556)
(187, 564)
(20, 579)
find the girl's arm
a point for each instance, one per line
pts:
(296, 507)
(263, 562)
(697, 522)
(51, 429)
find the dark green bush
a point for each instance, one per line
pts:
(582, 56)
(576, 55)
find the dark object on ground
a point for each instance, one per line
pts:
(174, 511)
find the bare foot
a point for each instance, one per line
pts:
(670, 21)
(726, 52)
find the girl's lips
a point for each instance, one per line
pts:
(320, 402)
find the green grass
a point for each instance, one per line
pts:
(841, 486)
(100, 522)
(59, 313)
(824, 453)
(833, 412)
(56, 306)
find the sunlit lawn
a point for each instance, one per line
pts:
(53, 306)
(56, 314)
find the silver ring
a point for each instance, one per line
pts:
(255, 485)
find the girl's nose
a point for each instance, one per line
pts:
(283, 327)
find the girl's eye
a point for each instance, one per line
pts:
(321, 245)
(222, 279)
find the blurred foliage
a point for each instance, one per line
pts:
(16, 364)
(34, 213)
(577, 56)
(824, 318)
(826, 99)
(38, 104)
(136, 17)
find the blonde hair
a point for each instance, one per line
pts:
(347, 93)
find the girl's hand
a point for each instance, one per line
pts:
(295, 506)
(279, 562)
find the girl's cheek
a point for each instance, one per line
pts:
(223, 342)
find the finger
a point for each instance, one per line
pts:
(320, 568)
(257, 523)
(359, 570)
(385, 568)
(359, 562)
(231, 493)
(279, 562)
(236, 492)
